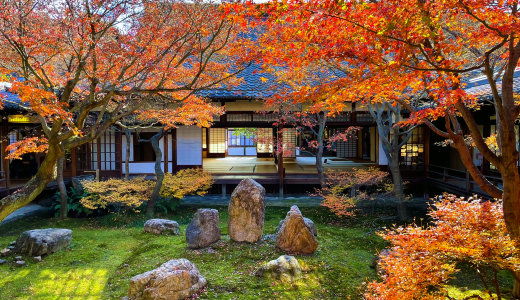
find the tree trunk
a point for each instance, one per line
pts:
(319, 165)
(46, 174)
(159, 174)
(127, 159)
(402, 212)
(62, 188)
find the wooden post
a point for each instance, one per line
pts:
(166, 151)
(5, 161)
(224, 196)
(444, 178)
(74, 161)
(174, 150)
(280, 159)
(467, 181)
(98, 169)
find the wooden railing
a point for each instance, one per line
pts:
(445, 174)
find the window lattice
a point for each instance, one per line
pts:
(108, 150)
(238, 117)
(412, 154)
(364, 118)
(217, 140)
(346, 148)
(264, 117)
(265, 140)
(343, 117)
(204, 138)
(289, 142)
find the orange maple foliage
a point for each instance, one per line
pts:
(82, 66)
(421, 260)
(28, 145)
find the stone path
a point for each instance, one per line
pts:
(288, 201)
(25, 211)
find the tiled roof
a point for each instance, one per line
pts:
(482, 89)
(10, 100)
(256, 85)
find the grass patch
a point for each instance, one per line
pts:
(107, 251)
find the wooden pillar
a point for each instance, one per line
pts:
(174, 150)
(280, 159)
(5, 161)
(74, 161)
(224, 196)
(165, 149)
(98, 169)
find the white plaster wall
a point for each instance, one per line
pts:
(383, 161)
(146, 167)
(189, 145)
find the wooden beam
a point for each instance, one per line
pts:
(5, 161)
(280, 158)
(166, 152)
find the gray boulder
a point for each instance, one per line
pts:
(246, 212)
(173, 280)
(162, 226)
(286, 269)
(20, 263)
(203, 229)
(77, 183)
(3, 261)
(40, 242)
(295, 236)
(308, 222)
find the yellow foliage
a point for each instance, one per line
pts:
(131, 194)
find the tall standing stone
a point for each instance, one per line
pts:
(246, 212)
(295, 236)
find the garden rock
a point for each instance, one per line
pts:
(162, 226)
(295, 236)
(37, 258)
(246, 212)
(308, 222)
(20, 263)
(203, 229)
(173, 280)
(286, 269)
(3, 261)
(6, 252)
(77, 183)
(39, 242)
(12, 243)
(11, 248)
(18, 258)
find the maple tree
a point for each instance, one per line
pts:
(421, 260)
(342, 189)
(392, 50)
(87, 64)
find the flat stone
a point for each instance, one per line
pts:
(3, 261)
(11, 247)
(246, 212)
(20, 263)
(203, 230)
(39, 242)
(286, 269)
(12, 243)
(18, 258)
(162, 226)
(295, 236)
(173, 280)
(37, 258)
(6, 252)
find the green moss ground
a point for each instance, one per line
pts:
(107, 251)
